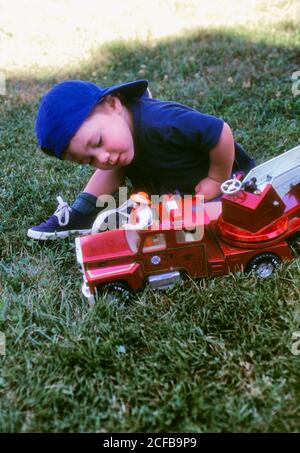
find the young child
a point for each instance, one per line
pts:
(160, 146)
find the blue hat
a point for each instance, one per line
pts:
(66, 106)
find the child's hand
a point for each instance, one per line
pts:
(209, 188)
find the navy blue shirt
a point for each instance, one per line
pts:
(172, 144)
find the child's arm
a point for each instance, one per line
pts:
(221, 161)
(105, 181)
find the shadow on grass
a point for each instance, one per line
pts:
(246, 82)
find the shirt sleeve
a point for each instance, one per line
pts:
(188, 127)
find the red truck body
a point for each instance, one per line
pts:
(242, 231)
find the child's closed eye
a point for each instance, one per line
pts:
(99, 143)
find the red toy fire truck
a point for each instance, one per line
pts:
(246, 230)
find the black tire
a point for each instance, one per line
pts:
(115, 292)
(264, 264)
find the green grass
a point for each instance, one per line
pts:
(207, 355)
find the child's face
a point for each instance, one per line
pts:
(105, 139)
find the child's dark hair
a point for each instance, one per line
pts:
(119, 95)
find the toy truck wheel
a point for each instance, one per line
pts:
(115, 292)
(264, 264)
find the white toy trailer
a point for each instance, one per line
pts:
(282, 172)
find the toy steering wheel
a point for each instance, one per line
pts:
(231, 186)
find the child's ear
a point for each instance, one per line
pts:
(113, 103)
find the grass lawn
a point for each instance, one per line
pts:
(206, 355)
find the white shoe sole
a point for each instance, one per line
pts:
(43, 236)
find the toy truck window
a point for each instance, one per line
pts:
(133, 240)
(183, 236)
(154, 242)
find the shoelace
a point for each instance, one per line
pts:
(62, 210)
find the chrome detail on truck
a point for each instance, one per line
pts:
(165, 280)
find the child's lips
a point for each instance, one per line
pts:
(121, 160)
(113, 164)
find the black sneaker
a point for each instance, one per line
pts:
(62, 223)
